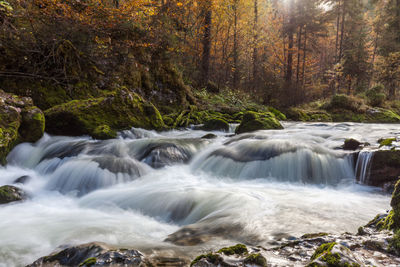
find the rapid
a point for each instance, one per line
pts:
(177, 191)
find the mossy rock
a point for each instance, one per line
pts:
(296, 114)
(234, 250)
(386, 142)
(210, 258)
(351, 144)
(9, 193)
(20, 121)
(88, 262)
(256, 259)
(118, 110)
(253, 121)
(104, 132)
(216, 125)
(314, 235)
(333, 254)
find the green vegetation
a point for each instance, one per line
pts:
(216, 125)
(386, 142)
(101, 117)
(257, 259)
(10, 193)
(253, 121)
(314, 235)
(210, 257)
(237, 249)
(325, 255)
(88, 262)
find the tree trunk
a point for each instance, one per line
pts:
(255, 56)
(299, 35)
(337, 31)
(235, 46)
(303, 79)
(205, 64)
(290, 33)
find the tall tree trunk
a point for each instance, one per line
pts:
(235, 46)
(342, 32)
(205, 64)
(303, 79)
(299, 36)
(290, 33)
(255, 52)
(337, 31)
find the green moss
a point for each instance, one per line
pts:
(324, 254)
(103, 132)
(314, 235)
(210, 257)
(118, 110)
(279, 115)
(344, 102)
(324, 248)
(9, 194)
(216, 125)
(257, 259)
(386, 142)
(237, 249)
(394, 243)
(253, 121)
(88, 262)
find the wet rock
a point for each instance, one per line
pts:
(253, 121)
(384, 167)
(209, 136)
(333, 254)
(9, 193)
(101, 117)
(216, 125)
(20, 121)
(351, 144)
(92, 254)
(22, 179)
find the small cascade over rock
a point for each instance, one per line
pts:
(363, 166)
(281, 160)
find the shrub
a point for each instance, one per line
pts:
(376, 95)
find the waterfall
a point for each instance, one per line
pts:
(363, 166)
(280, 160)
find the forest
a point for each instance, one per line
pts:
(282, 53)
(236, 133)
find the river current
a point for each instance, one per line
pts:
(177, 191)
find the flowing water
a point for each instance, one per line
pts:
(166, 190)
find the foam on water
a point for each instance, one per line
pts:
(145, 187)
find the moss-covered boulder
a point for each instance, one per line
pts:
(20, 121)
(384, 167)
(9, 193)
(351, 144)
(255, 259)
(92, 254)
(216, 125)
(101, 117)
(253, 121)
(333, 254)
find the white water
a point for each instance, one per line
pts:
(251, 188)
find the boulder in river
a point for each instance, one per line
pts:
(351, 144)
(384, 167)
(9, 193)
(101, 117)
(20, 121)
(92, 254)
(253, 121)
(216, 125)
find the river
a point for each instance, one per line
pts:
(168, 190)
